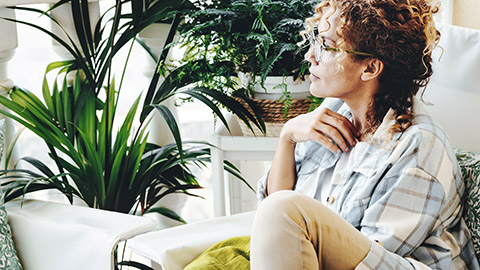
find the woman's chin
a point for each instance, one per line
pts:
(316, 91)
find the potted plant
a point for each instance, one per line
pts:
(261, 39)
(109, 170)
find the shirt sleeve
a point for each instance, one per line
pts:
(262, 187)
(401, 220)
(262, 183)
(300, 149)
(407, 206)
(380, 258)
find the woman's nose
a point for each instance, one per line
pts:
(310, 57)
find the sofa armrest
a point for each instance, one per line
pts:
(174, 248)
(50, 235)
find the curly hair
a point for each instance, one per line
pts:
(400, 33)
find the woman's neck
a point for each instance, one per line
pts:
(362, 117)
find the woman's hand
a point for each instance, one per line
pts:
(332, 130)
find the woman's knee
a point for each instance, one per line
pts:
(281, 204)
(280, 200)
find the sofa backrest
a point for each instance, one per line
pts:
(454, 88)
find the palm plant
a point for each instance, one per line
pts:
(117, 171)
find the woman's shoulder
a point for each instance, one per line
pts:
(430, 144)
(427, 131)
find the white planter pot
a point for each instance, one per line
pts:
(274, 85)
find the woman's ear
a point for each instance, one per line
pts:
(373, 69)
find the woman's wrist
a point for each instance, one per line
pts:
(286, 137)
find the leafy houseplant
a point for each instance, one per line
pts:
(260, 37)
(117, 171)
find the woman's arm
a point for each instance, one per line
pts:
(330, 129)
(416, 208)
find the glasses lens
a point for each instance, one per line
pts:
(315, 44)
(317, 50)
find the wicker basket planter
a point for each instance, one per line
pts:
(271, 111)
(266, 103)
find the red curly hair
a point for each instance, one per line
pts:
(400, 33)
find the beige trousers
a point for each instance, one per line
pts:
(293, 231)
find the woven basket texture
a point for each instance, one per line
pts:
(271, 111)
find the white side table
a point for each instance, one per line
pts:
(234, 147)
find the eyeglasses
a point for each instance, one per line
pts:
(319, 47)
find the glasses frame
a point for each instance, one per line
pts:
(318, 47)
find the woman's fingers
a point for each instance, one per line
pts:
(337, 125)
(334, 131)
(321, 139)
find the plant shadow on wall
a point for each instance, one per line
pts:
(118, 171)
(259, 38)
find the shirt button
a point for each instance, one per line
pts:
(330, 199)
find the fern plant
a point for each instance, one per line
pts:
(259, 37)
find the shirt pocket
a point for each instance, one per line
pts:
(358, 191)
(308, 166)
(307, 181)
(353, 211)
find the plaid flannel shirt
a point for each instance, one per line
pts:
(405, 195)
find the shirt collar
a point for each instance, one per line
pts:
(382, 133)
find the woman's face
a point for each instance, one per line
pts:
(328, 80)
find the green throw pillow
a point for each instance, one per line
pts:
(470, 165)
(8, 255)
(233, 253)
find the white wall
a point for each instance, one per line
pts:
(465, 13)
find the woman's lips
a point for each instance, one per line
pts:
(313, 77)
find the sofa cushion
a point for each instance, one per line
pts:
(470, 165)
(233, 253)
(8, 254)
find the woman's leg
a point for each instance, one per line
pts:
(293, 231)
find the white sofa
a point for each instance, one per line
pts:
(454, 92)
(54, 236)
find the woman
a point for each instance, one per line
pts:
(376, 184)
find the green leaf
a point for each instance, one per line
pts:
(117, 174)
(58, 64)
(11, 146)
(74, 51)
(94, 169)
(147, 49)
(166, 212)
(47, 96)
(154, 81)
(82, 24)
(39, 165)
(87, 118)
(56, 5)
(172, 124)
(210, 104)
(229, 167)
